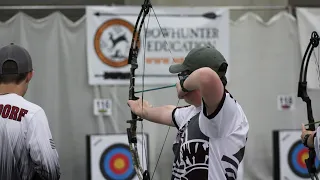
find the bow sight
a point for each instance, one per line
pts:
(303, 94)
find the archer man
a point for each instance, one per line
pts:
(212, 129)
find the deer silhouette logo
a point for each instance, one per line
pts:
(117, 40)
(117, 55)
(111, 42)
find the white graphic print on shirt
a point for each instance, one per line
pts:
(209, 147)
(192, 156)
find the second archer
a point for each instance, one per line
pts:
(212, 129)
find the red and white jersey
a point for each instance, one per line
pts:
(27, 150)
(209, 147)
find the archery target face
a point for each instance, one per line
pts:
(296, 159)
(116, 162)
(292, 156)
(111, 157)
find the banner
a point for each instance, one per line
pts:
(309, 21)
(109, 156)
(289, 155)
(109, 34)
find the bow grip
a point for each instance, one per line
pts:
(131, 138)
(310, 162)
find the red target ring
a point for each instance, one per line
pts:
(302, 155)
(119, 163)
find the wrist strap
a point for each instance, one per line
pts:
(181, 84)
(305, 140)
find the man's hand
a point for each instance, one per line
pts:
(180, 93)
(305, 132)
(137, 107)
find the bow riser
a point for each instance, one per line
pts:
(303, 94)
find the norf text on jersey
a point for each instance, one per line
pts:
(8, 111)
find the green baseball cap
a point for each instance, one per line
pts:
(199, 57)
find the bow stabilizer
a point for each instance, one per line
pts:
(132, 60)
(303, 94)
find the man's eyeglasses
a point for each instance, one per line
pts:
(183, 75)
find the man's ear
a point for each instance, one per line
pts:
(29, 76)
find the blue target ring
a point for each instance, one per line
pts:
(297, 154)
(116, 163)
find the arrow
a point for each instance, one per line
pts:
(153, 89)
(209, 15)
(312, 123)
(122, 75)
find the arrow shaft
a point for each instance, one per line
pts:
(210, 15)
(154, 89)
(312, 123)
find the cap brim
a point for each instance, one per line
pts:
(176, 68)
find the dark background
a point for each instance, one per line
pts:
(72, 14)
(303, 3)
(75, 14)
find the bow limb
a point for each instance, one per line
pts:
(132, 60)
(303, 94)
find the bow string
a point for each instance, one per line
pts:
(303, 94)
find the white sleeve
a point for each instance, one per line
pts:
(42, 148)
(180, 115)
(316, 143)
(225, 120)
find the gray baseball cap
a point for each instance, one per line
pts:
(199, 57)
(17, 54)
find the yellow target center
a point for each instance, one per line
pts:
(119, 163)
(304, 156)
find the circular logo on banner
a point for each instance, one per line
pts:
(116, 163)
(297, 155)
(112, 42)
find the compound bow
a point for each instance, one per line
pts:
(132, 60)
(303, 94)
